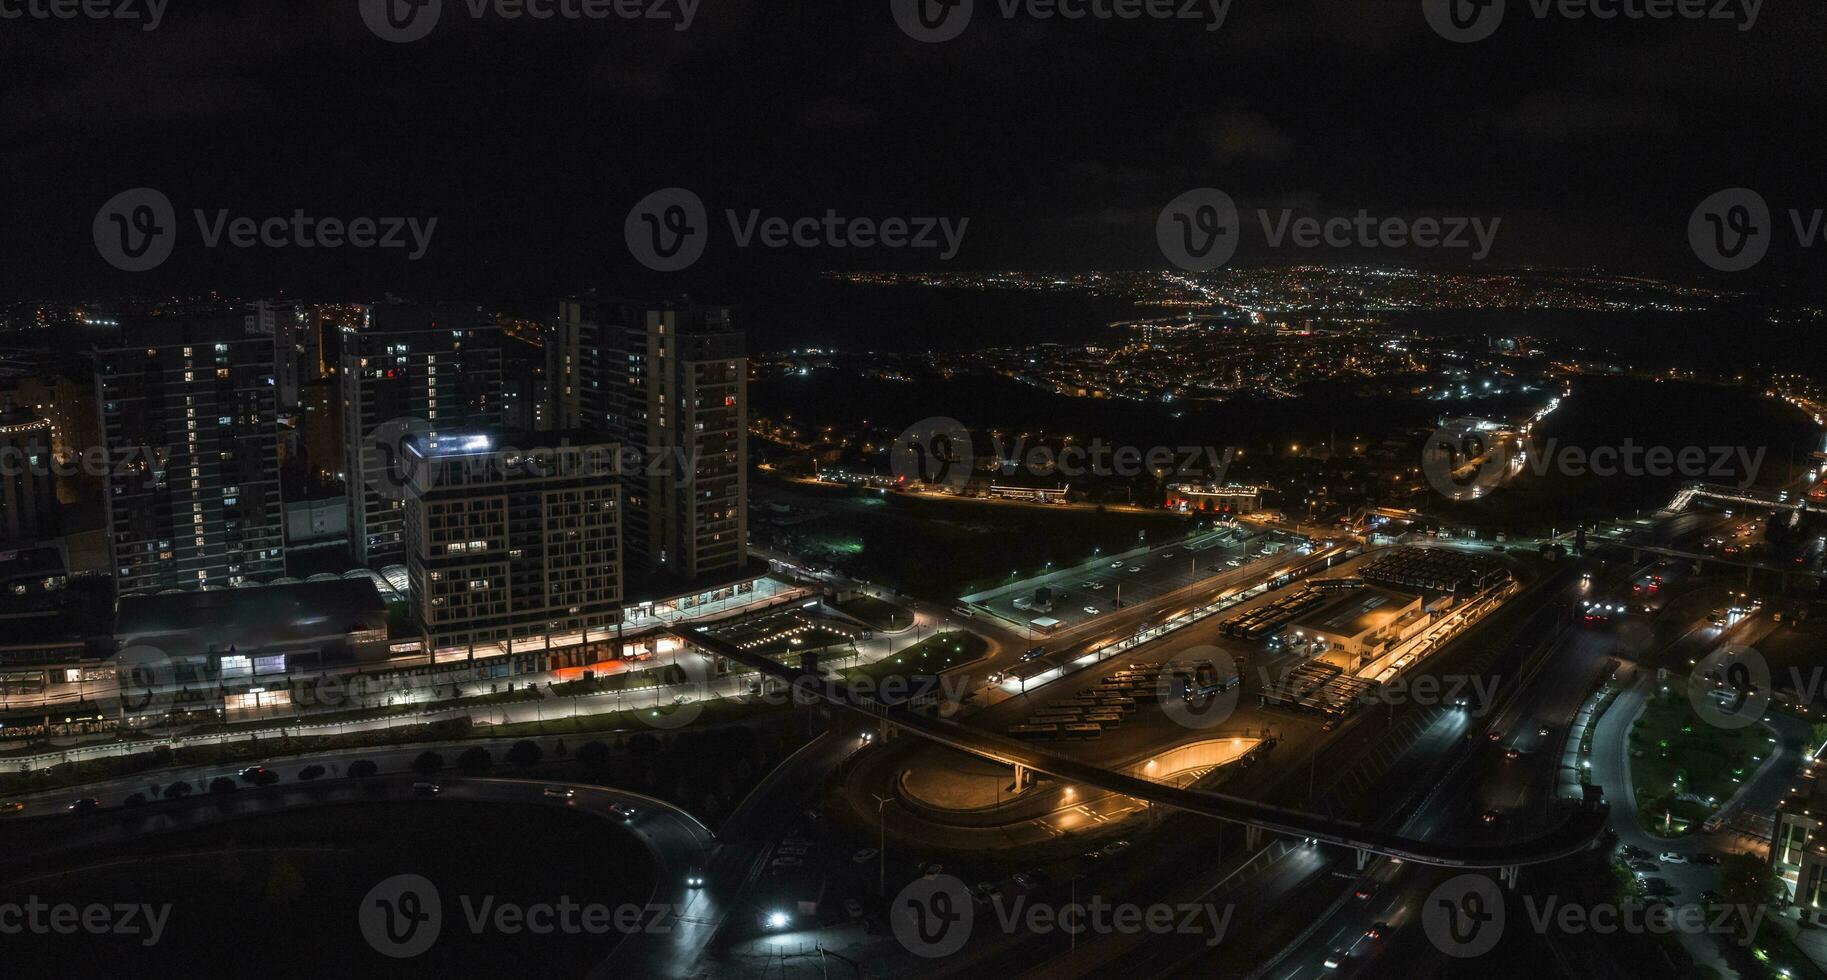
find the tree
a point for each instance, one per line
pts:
(362, 769)
(594, 755)
(221, 785)
(427, 763)
(524, 753)
(177, 791)
(309, 773)
(1746, 881)
(643, 744)
(474, 759)
(137, 799)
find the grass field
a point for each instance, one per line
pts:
(1675, 754)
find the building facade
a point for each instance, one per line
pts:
(512, 549)
(683, 413)
(189, 423)
(408, 370)
(28, 487)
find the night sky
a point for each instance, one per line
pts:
(1059, 140)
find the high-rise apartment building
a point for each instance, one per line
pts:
(287, 325)
(670, 383)
(580, 368)
(513, 548)
(188, 418)
(682, 412)
(28, 490)
(408, 369)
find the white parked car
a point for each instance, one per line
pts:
(1091, 610)
(1670, 857)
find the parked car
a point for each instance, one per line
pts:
(787, 861)
(1115, 847)
(1091, 610)
(987, 891)
(1703, 858)
(1672, 857)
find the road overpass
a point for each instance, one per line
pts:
(1577, 832)
(1794, 501)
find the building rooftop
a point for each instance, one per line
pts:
(1358, 611)
(255, 617)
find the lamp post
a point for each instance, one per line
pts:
(881, 848)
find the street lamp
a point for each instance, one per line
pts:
(881, 847)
